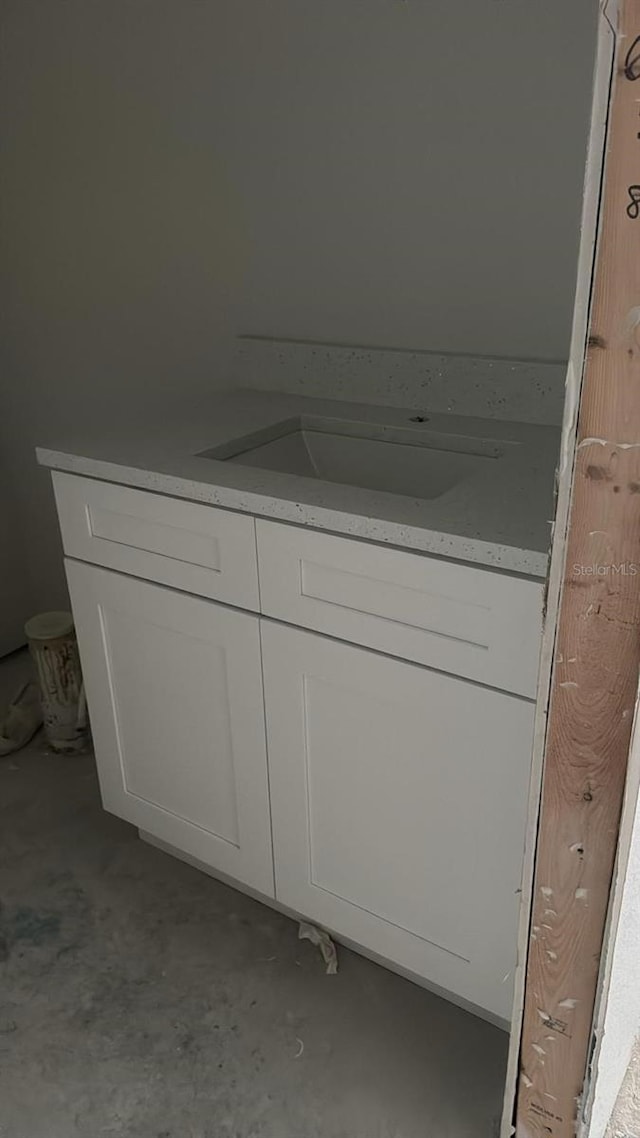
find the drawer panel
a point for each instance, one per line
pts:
(458, 618)
(193, 547)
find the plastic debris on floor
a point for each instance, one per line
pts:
(324, 942)
(22, 720)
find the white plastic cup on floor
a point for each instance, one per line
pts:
(54, 650)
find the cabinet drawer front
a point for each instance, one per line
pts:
(457, 618)
(197, 548)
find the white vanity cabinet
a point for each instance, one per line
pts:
(357, 717)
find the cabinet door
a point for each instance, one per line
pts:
(174, 688)
(398, 800)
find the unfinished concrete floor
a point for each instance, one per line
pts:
(140, 997)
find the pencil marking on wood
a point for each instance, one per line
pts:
(633, 208)
(631, 69)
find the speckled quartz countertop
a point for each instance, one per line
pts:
(499, 517)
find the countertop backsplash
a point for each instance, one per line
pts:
(525, 391)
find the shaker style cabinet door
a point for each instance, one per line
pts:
(174, 688)
(398, 799)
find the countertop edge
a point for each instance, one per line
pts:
(493, 555)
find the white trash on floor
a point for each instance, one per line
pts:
(324, 942)
(23, 718)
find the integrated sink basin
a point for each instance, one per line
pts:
(413, 461)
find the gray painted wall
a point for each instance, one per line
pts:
(381, 172)
(122, 248)
(15, 601)
(411, 171)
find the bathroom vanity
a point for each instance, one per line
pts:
(308, 683)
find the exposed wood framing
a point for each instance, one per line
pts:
(597, 651)
(588, 229)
